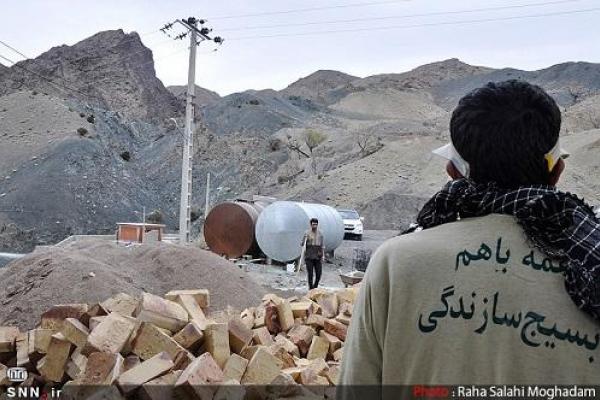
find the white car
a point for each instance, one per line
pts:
(353, 224)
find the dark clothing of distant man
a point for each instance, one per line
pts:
(314, 254)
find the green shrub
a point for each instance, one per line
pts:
(275, 144)
(195, 214)
(155, 217)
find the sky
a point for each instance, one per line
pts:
(272, 43)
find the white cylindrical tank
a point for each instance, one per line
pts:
(281, 226)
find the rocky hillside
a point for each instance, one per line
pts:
(111, 70)
(317, 86)
(203, 97)
(78, 161)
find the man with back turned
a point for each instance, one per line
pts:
(502, 285)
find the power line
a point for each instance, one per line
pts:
(429, 14)
(13, 49)
(473, 21)
(301, 10)
(57, 85)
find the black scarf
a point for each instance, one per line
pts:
(559, 224)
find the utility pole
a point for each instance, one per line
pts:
(197, 36)
(207, 200)
(186, 165)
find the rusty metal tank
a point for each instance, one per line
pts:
(229, 228)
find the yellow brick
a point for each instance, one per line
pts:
(262, 368)
(195, 313)
(301, 309)
(162, 313)
(41, 339)
(75, 332)
(22, 347)
(149, 341)
(95, 321)
(318, 348)
(247, 317)
(336, 328)
(8, 336)
(262, 336)
(334, 342)
(144, 372)
(52, 366)
(338, 354)
(235, 367)
(332, 374)
(202, 296)
(122, 303)
(131, 361)
(249, 351)
(287, 344)
(216, 341)
(110, 336)
(286, 360)
(329, 305)
(159, 388)
(3, 378)
(190, 337)
(240, 335)
(259, 317)
(285, 315)
(230, 390)
(347, 295)
(193, 381)
(76, 365)
(301, 336)
(54, 317)
(102, 369)
(344, 319)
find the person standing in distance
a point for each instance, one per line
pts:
(314, 254)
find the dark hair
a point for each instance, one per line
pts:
(503, 130)
(314, 220)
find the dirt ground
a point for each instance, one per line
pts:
(91, 271)
(276, 278)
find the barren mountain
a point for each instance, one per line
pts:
(256, 112)
(569, 83)
(317, 86)
(203, 97)
(78, 161)
(111, 70)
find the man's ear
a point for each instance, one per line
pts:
(557, 172)
(452, 171)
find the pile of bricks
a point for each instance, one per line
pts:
(140, 347)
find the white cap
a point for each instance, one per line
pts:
(555, 154)
(450, 153)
